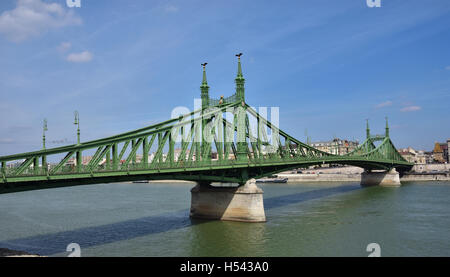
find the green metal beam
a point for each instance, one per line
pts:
(63, 161)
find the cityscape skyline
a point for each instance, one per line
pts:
(327, 66)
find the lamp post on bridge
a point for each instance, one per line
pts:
(44, 129)
(44, 158)
(387, 128)
(367, 129)
(77, 122)
(79, 158)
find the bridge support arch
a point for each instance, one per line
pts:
(389, 178)
(243, 203)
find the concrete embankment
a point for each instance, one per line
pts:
(335, 177)
(332, 177)
(172, 181)
(323, 177)
(426, 177)
(353, 174)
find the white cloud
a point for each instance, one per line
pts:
(6, 141)
(411, 109)
(384, 104)
(30, 18)
(82, 57)
(447, 67)
(64, 46)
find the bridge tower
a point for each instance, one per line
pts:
(204, 88)
(241, 114)
(240, 81)
(204, 151)
(386, 178)
(245, 202)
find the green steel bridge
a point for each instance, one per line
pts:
(182, 149)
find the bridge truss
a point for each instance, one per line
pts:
(224, 141)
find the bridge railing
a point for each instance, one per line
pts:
(265, 160)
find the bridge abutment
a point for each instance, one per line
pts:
(381, 178)
(244, 203)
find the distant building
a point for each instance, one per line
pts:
(408, 154)
(15, 164)
(440, 152)
(439, 156)
(336, 146)
(177, 154)
(429, 157)
(424, 157)
(448, 147)
(444, 146)
(73, 161)
(416, 156)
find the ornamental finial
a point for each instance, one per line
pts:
(239, 73)
(204, 81)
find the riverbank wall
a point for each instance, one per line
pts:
(431, 172)
(356, 177)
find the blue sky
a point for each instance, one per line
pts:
(327, 65)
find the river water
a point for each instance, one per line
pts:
(333, 219)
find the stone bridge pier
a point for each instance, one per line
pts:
(243, 203)
(389, 178)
